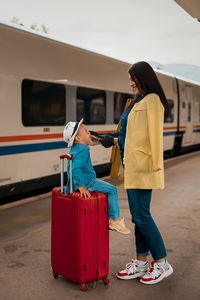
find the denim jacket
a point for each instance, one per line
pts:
(121, 134)
(82, 169)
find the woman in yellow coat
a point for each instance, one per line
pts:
(144, 171)
(142, 133)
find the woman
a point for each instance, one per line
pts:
(142, 154)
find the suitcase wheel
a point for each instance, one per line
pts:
(106, 281)
(83, 286)
(55, 275)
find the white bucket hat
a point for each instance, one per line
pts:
(70, 132)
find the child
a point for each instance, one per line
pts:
(78, 138)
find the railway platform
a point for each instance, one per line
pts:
(25, 270)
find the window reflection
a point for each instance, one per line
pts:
(43, 103)
(170, 118)
(91, 105)
(189, 112)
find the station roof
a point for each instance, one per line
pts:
(192, 7)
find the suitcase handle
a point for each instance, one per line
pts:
(66, 156)
(62, 157)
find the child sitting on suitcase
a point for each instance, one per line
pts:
(78, 138)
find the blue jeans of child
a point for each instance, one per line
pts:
(109, 189)
(147, 236)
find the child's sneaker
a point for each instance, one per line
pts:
(118, 225)
(157, 273)
(133, 270)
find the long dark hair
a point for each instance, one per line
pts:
(147, 82)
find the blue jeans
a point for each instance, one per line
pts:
(147, 236)
(109, 189)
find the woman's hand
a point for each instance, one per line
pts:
(84, 192)
(108, 141)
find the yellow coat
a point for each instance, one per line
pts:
(143, 157)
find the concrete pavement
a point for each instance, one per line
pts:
(25, 245)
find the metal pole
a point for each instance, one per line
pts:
(71, 179)
(62, 174)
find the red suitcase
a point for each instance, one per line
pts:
(79, 236)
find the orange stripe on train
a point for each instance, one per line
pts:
(30, 137)
(18, 138)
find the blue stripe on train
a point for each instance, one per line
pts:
(172, 132)
(17, 149)
(169, 133)
(196, 130)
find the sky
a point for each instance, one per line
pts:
(129, 30)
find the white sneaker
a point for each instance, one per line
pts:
(133, 270)
(157, 273)
(118, 225)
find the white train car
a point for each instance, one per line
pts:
(189, 116)
(45, 83)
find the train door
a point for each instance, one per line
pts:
(187, 117)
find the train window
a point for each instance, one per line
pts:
(43, 103)
(170, 118)
(183, 104)
(199, 112)
(80, 109)
(119, 104)
(91, 105)
(189, 112)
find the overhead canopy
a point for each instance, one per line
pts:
(191, 6)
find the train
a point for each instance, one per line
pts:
(45, 83)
